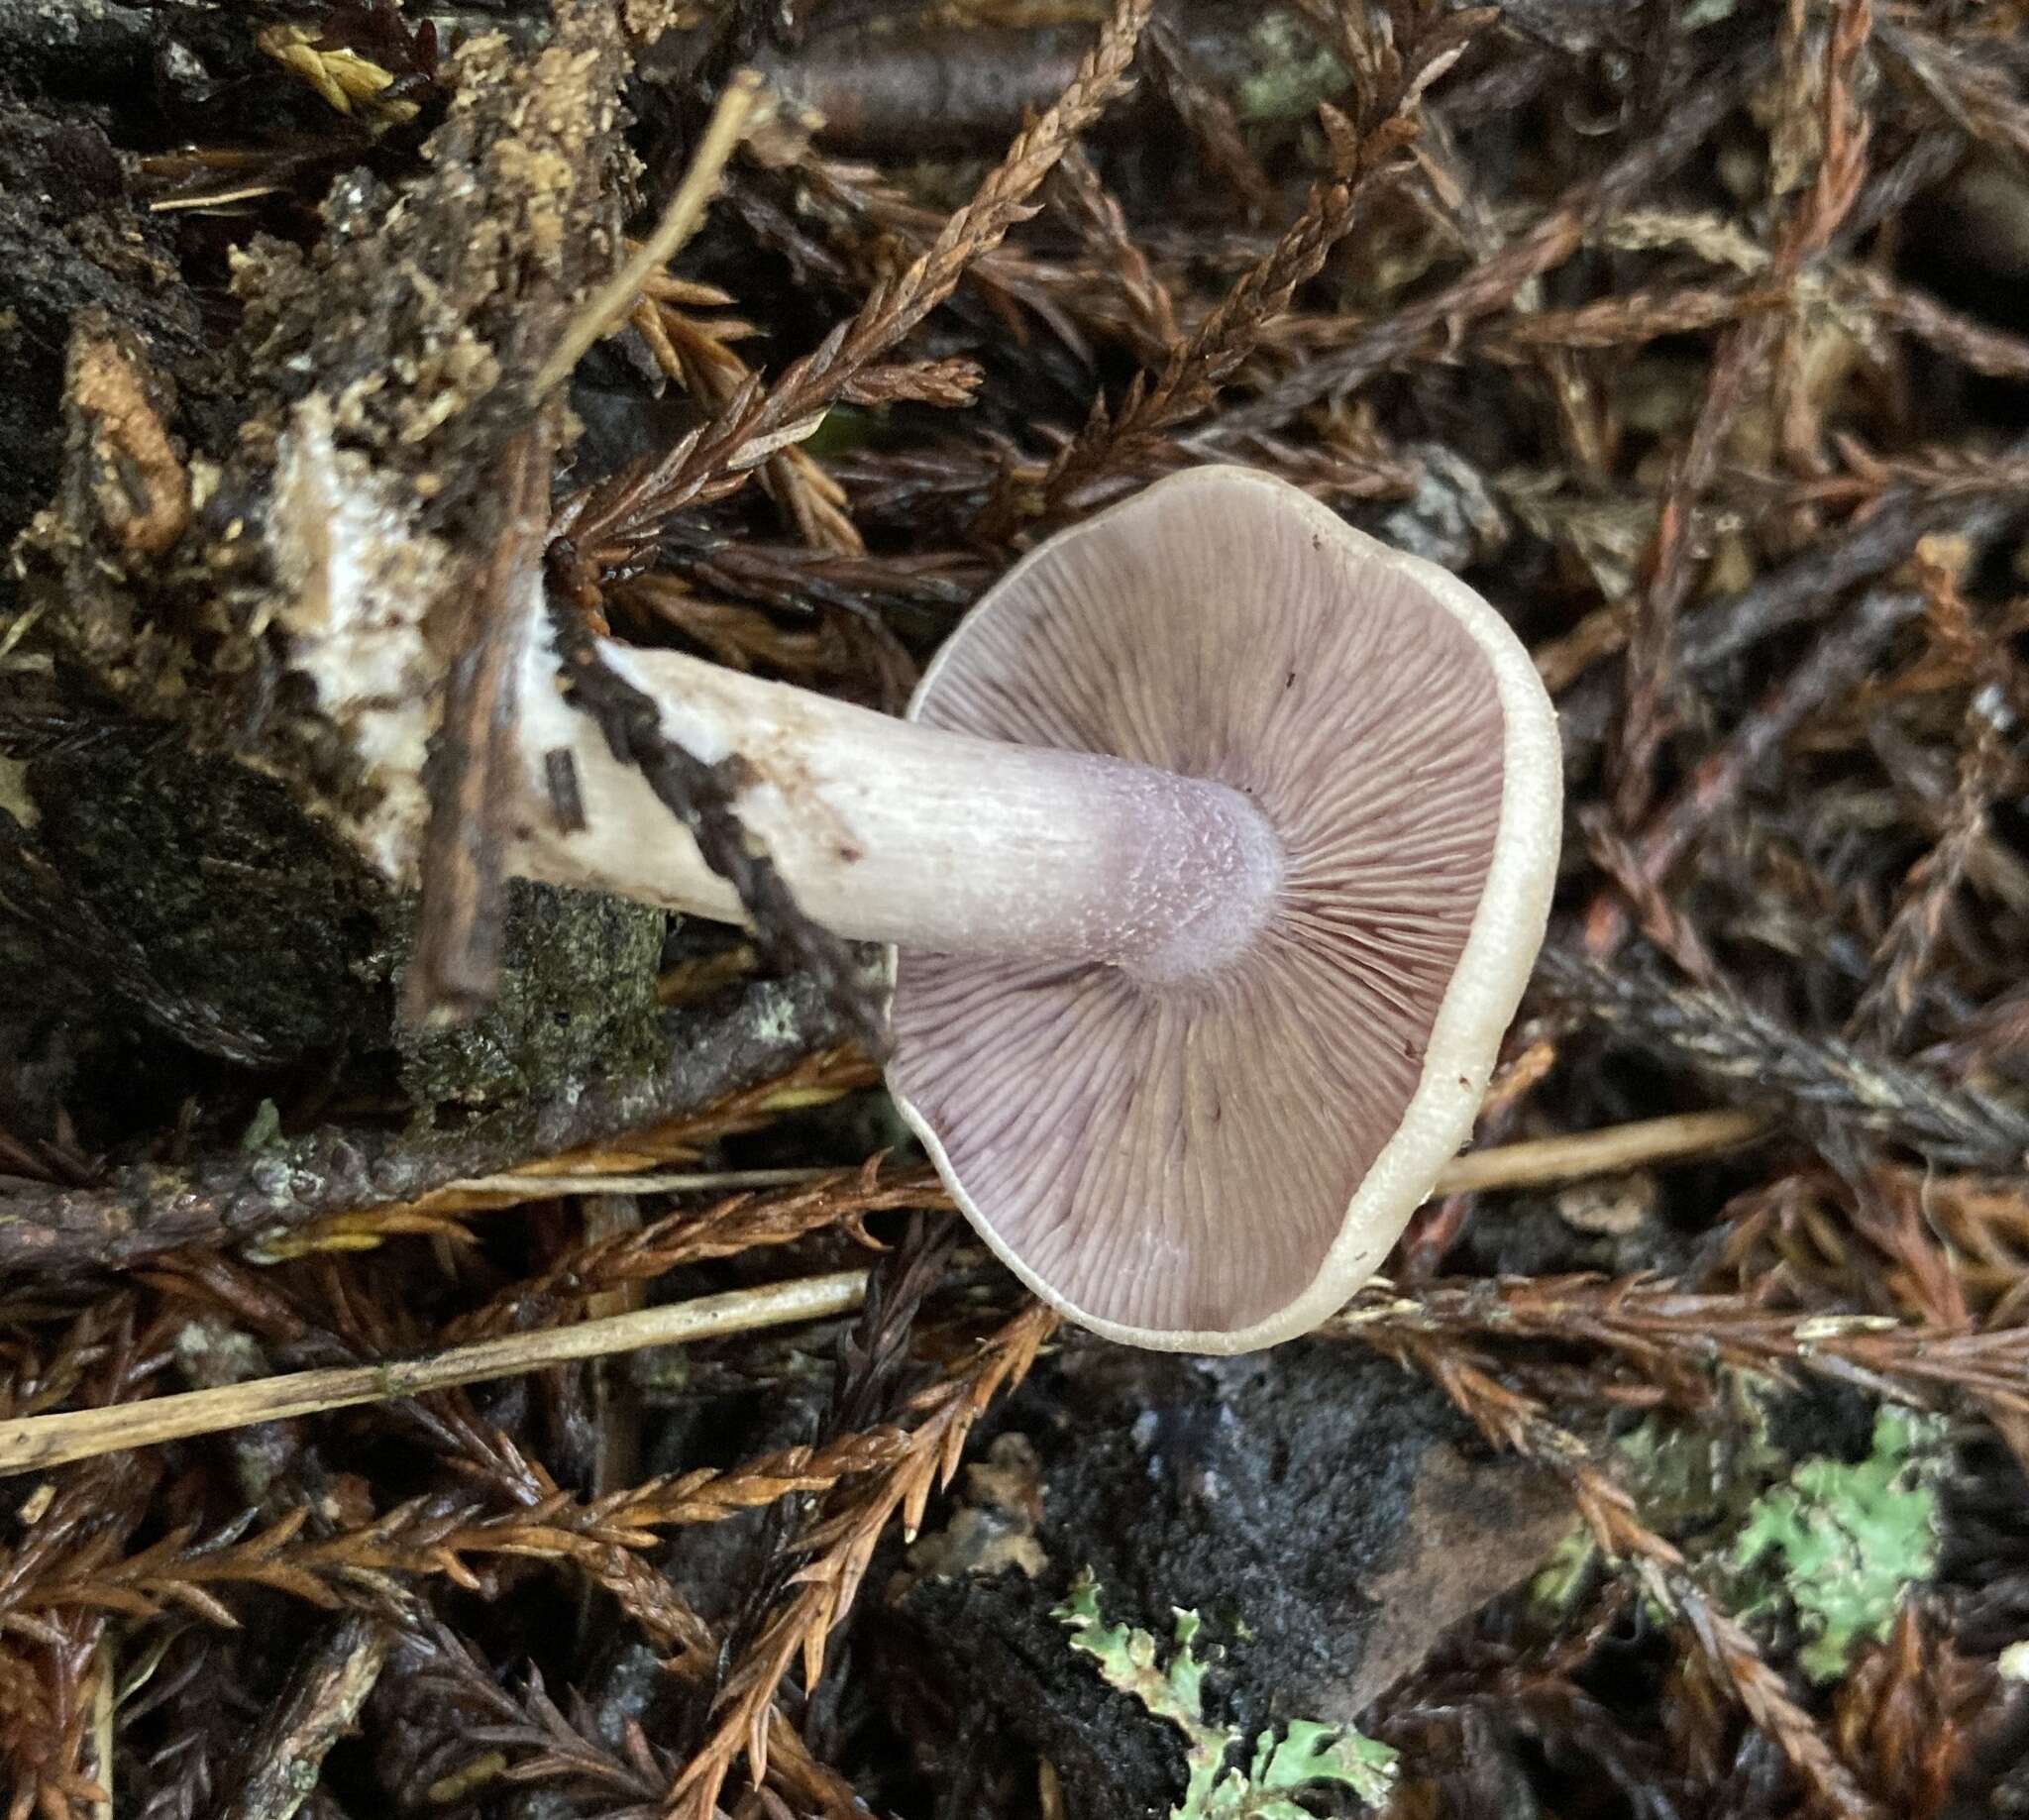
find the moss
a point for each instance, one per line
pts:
(1292, 71)
(189, 896)
(577, 998)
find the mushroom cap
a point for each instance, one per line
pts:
(1216, 1166)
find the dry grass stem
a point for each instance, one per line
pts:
(1540, 1161)
(52, 1440)
(540, 1185)
(1531, 1163)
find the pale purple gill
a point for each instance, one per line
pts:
(1216, 851)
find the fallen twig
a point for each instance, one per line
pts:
(145, 1210)
(282, 1759)
(1199, 367)
(739, 1226)
(841, 1547)
(1666, 1329)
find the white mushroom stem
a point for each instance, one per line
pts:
(884, 831)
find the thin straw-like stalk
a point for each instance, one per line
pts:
(53, 1440)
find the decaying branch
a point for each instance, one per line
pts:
(142, 1210)
(331, 1682)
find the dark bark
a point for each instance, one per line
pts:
(281, 1762)
(72, 240)
(142, 1211)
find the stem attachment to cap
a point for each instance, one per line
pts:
(888, 831)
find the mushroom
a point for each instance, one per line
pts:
(1213, 856)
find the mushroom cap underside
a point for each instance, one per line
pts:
(1216, 1164)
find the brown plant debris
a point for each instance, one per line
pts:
(475, 1349)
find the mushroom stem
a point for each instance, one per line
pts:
(886, 831)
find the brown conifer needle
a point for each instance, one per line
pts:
(31, 1443)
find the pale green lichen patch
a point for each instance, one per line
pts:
(1849, 1540)
(1560, 1580)
(263, 1129)
(1305, 1756)
(1694, 1481)
(1824, 1546)
(1698, 1477)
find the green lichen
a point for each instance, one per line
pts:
(1694, 1481)
(263, 1129)
(1848, 1539)
(1702, 1476)
(1559, 1581)
(1822, 1547)
(1306, 1754)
